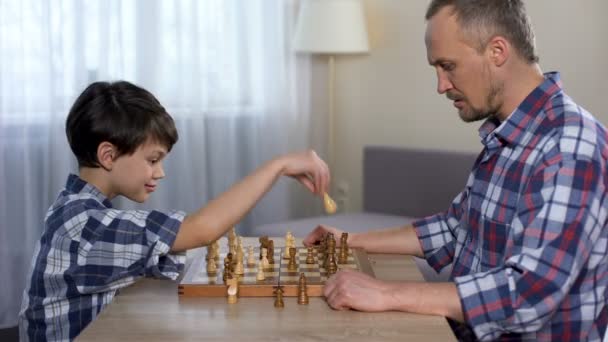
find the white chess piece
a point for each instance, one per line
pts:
(265, 262)
(250, 257)
(260, 275)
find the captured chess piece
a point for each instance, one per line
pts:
(302, 290)
(278, 302)
(232, 290)
(330, 205)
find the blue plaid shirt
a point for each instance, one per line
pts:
(528, 236)
(87, 252)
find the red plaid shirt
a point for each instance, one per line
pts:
(527, 237)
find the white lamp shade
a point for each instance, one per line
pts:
(331, 26)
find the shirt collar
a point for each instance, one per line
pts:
(77, 185)
(514, 129)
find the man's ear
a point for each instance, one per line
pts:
(106, 153)
(499, 50)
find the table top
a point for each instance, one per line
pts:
(151, 310)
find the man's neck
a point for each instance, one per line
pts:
(98, 177)
(519, 84)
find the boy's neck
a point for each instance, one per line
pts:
(98, 177)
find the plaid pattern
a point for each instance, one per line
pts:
(87, 252)
(527, 236)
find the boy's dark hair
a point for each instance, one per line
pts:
(481, 20)
(120, 113)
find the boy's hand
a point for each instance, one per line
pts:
(308, 169)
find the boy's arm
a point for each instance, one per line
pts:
(398, 240)
(213, 220)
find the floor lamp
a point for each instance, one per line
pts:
(331, 27)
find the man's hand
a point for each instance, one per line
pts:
(319, 233)
(350, 289)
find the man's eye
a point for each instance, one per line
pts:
(447, 67)
(153, 161)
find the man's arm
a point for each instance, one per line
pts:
(349, 289)
(399, 240)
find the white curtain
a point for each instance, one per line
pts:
(224, 70)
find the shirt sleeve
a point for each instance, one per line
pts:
(437, 234)
(559, 215)
(119, 246)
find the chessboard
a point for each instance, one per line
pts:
(197, 283)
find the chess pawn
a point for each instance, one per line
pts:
(310, 259)
(331, 264)
(265, 263)
(292, 265)
(211, 268)
(263, 244)
(302, 291)
(231, 292)
(250, 257)
(260, 276)
(278, 302)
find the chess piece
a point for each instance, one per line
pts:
(278, 302)
(239, 269)
(331, 267)
(250, 257)
(330, 205)
(260, 276)
(331, 248)
(263, 244)
(270, 248)
(310, 259)
(232, 298)
(302, 290)
(264, 261)
(211, 268)
(292, 265)
(343, 255)
(232, 291)
(216, 250)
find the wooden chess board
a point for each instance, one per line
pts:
(197, 283)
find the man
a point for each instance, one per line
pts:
(527, 236)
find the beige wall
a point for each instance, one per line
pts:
(388, 97)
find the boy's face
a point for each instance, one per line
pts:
(136, 176)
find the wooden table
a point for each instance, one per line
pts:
(152, 311)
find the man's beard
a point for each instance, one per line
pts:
(491, 106)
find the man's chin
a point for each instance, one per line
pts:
(472, 117)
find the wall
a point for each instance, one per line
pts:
(388, 97)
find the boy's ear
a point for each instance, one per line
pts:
(105, 155)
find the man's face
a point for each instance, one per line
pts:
(463, 74)
(136, 176)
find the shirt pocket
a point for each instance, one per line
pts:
(493, 236)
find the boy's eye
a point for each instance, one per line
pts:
(153, 161)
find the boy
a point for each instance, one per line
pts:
(120, 135)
